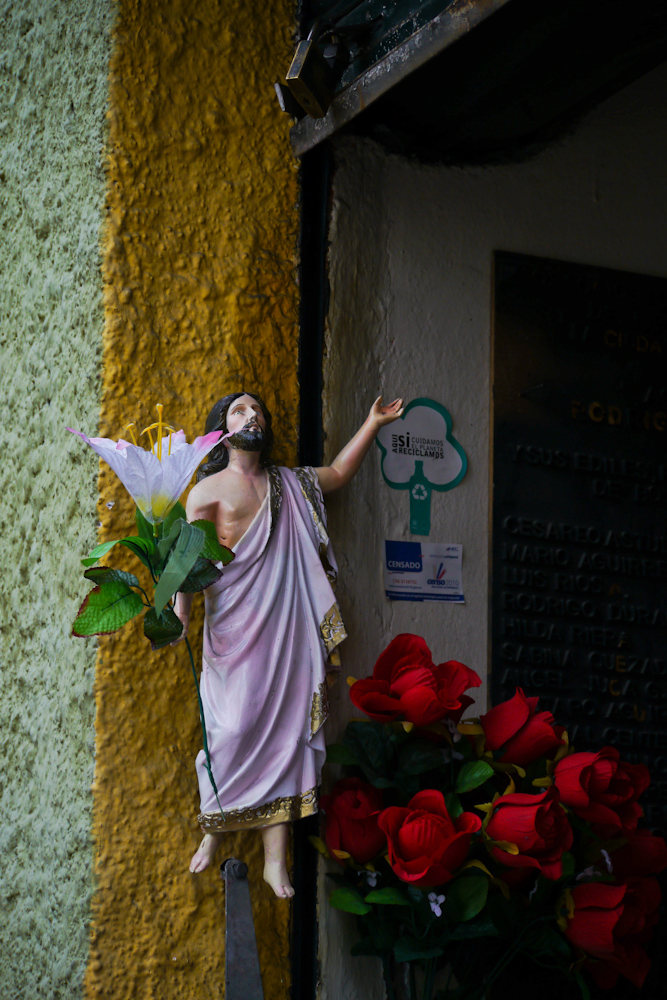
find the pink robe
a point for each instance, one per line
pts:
(272, 625)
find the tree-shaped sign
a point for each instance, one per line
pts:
(419, 454)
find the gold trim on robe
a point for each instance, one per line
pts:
(310, 487)
(275, 495)
(284, 810)
(320, 707)
(332, 629)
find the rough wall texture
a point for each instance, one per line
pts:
(200, 298)
(53, 90)
(411, 271)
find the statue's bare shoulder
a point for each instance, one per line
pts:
(230, 500)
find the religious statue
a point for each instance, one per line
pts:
(272, 628)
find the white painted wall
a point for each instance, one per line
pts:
(410, 269)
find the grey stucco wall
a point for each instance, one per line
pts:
(53, 88)
(411, 310)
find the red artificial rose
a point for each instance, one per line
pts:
(525, 733)
(351, 820)
(426, 846)
(610, 924)
(406, 684)
(644, 854)
(539, 827)
(602, 789)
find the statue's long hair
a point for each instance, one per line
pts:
(218, 457)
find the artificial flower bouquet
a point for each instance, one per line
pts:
(470, 847)
(179, 555)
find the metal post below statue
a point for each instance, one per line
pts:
(243, 980)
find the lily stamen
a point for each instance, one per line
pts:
(160, 427)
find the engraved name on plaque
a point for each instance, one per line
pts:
(579, 594)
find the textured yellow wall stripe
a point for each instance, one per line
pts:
(200, 298)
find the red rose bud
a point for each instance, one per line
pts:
(539, 827)
(426, 847)
(523, 732)
(644, 854)
(351, 820)
(602, 789)
(406, 684)
(610, 923)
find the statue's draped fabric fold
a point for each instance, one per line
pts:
(271, 632)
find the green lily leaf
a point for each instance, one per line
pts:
(473, 775)
(143, 548)
(144, 527)
(163, 629)
(466, 897)
(213, 549)
(201, 576)
(408, 949)
(106, 574)
(177, 513)
(181, 559)
(348, 900)
(168, 539)
(391, 896)
(338, 753)
(107, 608)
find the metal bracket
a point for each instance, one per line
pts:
(243, 980)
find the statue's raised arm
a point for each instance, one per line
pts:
(347, 462)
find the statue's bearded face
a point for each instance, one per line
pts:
(246, 421)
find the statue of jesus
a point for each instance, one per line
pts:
(272, 629)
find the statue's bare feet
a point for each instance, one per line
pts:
(206, 852)
(275, 860)
(275, 875)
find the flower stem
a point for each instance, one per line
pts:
(203, 729)
(429, 978)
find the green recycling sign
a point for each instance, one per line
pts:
(420, 454)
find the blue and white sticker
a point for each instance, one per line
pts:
(423, 571)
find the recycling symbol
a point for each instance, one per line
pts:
(420, 454)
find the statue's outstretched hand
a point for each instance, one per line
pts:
(381, 415)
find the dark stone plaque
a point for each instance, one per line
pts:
(579, 606)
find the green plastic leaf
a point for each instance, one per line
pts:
(176, 513)
(213, 549)
(408, 949)
(391, 896)
(473, 775)
(348, 900)
(466, 897)
(107, 608)
(144, 527)
(474, 929)
(168, 540)
(143, 548)
(418, 756)
(338, 753)
(201, 576)
(453, 803)
(106, 574)
(181, 560)
(163, 629)
(374, 751)
(568, 865)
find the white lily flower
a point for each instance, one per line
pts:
(154, 479)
